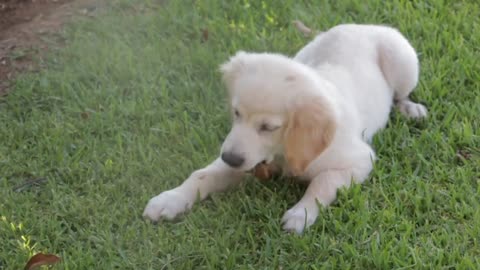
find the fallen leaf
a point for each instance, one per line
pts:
(302, 28)
(204, 35)
(40, 259)
(29, 183)
(85, 115)
(464, 154)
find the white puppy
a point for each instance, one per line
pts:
(317, 111)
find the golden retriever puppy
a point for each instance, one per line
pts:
(315, 112)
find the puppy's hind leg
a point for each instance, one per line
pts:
(411, 109)
(399, 64)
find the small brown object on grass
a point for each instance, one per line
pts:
(264, 171)
(40, 259)
(204, 35)
(307, 32)
(302, 28)
(29, 183)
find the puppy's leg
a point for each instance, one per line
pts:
(169, 204)
(322, 190)
(399, 64)
(411, 109)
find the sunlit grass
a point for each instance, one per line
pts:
(131, 106)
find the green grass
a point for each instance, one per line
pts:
(129, 108)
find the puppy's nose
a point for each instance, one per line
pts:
(232, 159)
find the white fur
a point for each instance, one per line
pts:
(356, 71)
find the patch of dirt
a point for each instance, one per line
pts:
(25, 27)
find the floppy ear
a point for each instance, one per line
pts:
(309, 132)
(233, 67)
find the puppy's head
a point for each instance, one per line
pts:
(277, 108)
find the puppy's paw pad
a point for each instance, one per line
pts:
(297, 219)
(168, 205)
(412, 109)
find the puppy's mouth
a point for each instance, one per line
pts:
(269, 159)
(261, 163)
(265, 170)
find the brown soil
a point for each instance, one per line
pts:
(25, 26)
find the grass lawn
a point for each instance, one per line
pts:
(130, 108)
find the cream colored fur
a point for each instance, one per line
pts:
(317, 111)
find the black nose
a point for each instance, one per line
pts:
(232, 159)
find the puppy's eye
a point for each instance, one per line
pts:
(237, 114)
(267, 128)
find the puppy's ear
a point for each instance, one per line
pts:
(310, 130)
(233, 67)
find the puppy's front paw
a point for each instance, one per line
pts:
(299, 218)
(168, 205)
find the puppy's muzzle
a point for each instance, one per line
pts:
(232, 159)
